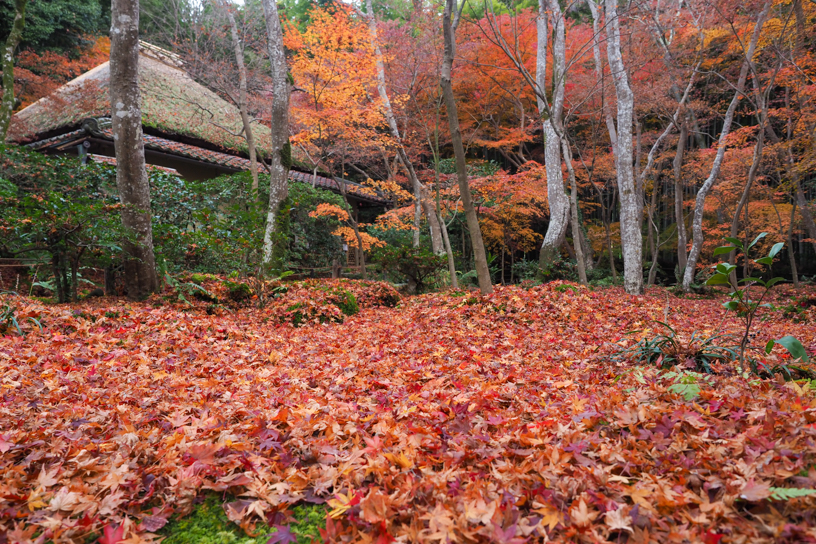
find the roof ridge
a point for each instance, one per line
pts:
(160, 54)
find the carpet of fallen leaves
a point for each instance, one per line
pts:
(445, 419)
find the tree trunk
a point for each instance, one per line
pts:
(242, 100)
(556, 195)
(654, 235)
(576, 233)
(281, 152)
(791, 253)
(480, 257)
(7, 104)
(631, 237)
(599, 73)
(131, 176)
(56, 266)
(699, 203)
(437, 244)
(434, 219)
(679, 216)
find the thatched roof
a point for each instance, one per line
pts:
(173, 104)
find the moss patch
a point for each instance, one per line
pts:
(209, 524)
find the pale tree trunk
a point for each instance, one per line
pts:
(697, 222)
(7, 104)
(556, 195)
(679, 215)
(281, 151)
(479, 255)
(576, 233)
(131, 176)
(242, 99)
(557, 120)
(437, 244)
(599, 73)
(631, 237)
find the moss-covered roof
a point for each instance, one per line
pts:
(172, 104)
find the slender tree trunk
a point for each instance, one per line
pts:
(448, 248)
(746, 195)
(576, 233)
(437, 244)
(242, 99)
(679, 216)
(654, 235)
(631, 237)
(480, 257)
(7, 104)
(434, 219)
(281, 151)
(56, 267)
(131, 176)
(697, 222)
(599, 73)
(557, 199)
(793, 172)
(75, 279)
(791, 253)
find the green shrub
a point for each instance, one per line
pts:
(417, 266)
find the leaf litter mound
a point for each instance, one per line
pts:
(446, 419)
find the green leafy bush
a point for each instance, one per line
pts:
(417, 266)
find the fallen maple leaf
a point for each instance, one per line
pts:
(112, 534)
(617, 520)
(282, 535)
(581, 515)
(755, 491)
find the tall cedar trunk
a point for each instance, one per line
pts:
(556, 195)
(131, 176)
(631, 238)
(242, 99)
(699, 203)
(281, 151)
(479, 255)
(431, 212)
(7, 104)
(679, 216)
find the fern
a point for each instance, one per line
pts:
(787, 493)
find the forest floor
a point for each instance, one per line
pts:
(449, 418)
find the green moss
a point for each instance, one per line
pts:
(280, 238)
(208, 524)
(347, 302)
(286, 155)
